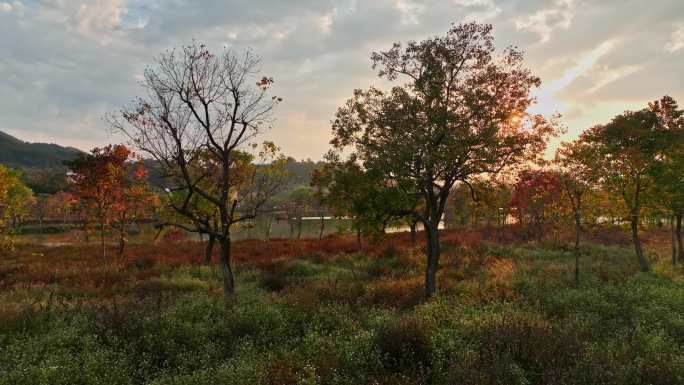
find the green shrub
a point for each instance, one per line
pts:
(404, 345)
(66, 354)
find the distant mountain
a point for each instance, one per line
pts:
(44, 171)
(17, 153)
(42, 163)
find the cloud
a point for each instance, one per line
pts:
(545, 21)
(107, 20)
(326, 21)
(413, 12)
(410, 11)
(474, 3)
(102, 16)
(15, 7)
(606, 75)
(480, 10)
(64, 65)
(547, 95)
(676, 41)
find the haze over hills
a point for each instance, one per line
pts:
(43, 164)
(17, 153)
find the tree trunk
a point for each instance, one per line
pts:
(269, 220)
(228, 282)
(299, 226)
(433, 251)
(414, 235)
(320, 233)
(102, 242)
(122, 243)
(359, 243)
(122, 236)
(209, 249)
(643, 263)
(578, 230)
(673, 230)
(679, 237)
(40, 220)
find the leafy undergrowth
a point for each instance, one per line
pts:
(313, 312)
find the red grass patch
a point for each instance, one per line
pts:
(81, 267)
(399, 293)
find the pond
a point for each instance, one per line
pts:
(263, 228)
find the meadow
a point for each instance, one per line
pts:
(462, 222)
(323, 312)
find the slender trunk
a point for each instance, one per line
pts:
(122, 246)
(40, 221)
(359, 243)
(251, 228)
(433, 251)
(228, 282)
(679, 237)
(539, 227)
(414, 235)
(102, 242)
(268, 227)
(299, 226)
(320, 233)
(122, 243)
(209, 249)
(673, 231)
(578, 230)
(122, 236)
(643, 263)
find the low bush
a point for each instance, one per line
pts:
(504, 314)
(405, 346)
(142, 263)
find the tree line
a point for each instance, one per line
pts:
(451, 139)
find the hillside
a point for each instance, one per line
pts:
(42, 163)
(17, 153)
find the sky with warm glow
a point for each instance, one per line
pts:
(64, 63)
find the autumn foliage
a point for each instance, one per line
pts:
(535, 200)
(15, 200)
(111, 189)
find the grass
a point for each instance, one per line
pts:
(314, 312)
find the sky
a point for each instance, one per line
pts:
(64, 64)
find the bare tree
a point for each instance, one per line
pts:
(197, 120)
